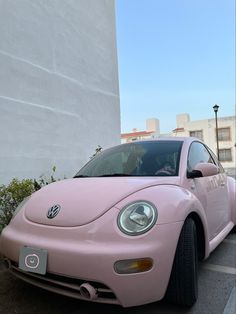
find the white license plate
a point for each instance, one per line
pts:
(33, 260)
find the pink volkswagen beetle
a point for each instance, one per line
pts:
(129, 228)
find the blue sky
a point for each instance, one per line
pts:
(175, 56)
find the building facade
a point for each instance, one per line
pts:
(59, 94)
(206, 131)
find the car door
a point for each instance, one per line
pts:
(211, 191)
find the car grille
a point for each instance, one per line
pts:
(64, 285)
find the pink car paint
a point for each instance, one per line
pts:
(84, 242)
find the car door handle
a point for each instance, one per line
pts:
(222, 184)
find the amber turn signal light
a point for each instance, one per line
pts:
(132, 266)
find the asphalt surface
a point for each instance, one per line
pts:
(217, 292)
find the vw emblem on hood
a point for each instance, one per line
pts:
(53, 211)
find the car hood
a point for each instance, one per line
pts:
(83, 200)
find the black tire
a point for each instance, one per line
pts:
(183, 283)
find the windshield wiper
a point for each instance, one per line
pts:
(116, 175)
(81, 176)
(105, 175)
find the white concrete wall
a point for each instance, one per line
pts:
(59, 95)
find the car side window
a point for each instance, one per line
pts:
(221, 169)
(198, 153)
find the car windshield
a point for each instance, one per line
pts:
(152, 158)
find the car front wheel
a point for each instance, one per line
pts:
(183, 283)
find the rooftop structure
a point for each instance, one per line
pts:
(152, 131)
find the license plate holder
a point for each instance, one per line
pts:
(33, 260)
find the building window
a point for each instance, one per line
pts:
(224, 134)
(225, 154)
(197, 134)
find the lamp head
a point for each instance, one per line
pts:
(216, 107)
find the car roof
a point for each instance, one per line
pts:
(186, 139)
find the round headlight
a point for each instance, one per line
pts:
(137, 218)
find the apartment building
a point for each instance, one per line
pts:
(206, 131)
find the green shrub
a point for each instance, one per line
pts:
(11, 196)
(42, 181)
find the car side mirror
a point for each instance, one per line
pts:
(203, 169)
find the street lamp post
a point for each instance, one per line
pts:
(216, 107)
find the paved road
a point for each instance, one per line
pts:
(217, 295)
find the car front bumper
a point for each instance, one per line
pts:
(87, 254)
